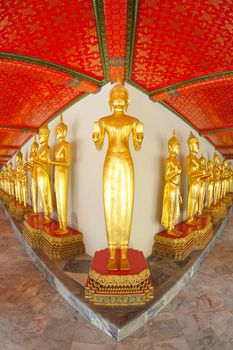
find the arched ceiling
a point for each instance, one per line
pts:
(55, 52)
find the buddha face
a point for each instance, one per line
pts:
(43, 135)
(210, 165)
(216, 160)
(194, 146)
(174, 148)
(18, 157)
(61, 131)
(118, 98)
(203, 161)
(34, 149)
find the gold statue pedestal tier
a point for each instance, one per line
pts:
(18, 210)
(228, 200)
(44, 237)
(119, 287)
(192, 237)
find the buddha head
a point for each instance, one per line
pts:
(34, 147)
(224, 164)
(10, 166)
(193, 143)
(61, 130)
(173, 144)
(216, 159)
(44, 134)
(19, 157)
(209, 165)
(118, 98)
(202, 161)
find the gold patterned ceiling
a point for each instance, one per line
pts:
(55, 52)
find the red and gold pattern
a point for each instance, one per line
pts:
(179, 248)
(115, 14)
(207, 104)
(58, 31)
(178, 40)
(44, 238)
(31, 94)
(174, 41)
(124, 288)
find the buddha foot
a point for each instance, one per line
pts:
(112, 265)
(45, 221)
(60, 231)
(174, 232)
(124, 264)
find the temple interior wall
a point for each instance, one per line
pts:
(85, 186)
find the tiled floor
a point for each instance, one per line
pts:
(34, 316)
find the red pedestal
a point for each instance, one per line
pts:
(192, 237)
(120, 287)
(44, 237)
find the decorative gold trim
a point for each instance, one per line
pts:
(119, 280)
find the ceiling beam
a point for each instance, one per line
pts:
(224, 147)
(19, 129)
(213, 131)
(9, 147)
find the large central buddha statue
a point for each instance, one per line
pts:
(118, 177)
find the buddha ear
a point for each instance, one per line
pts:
(110, 105)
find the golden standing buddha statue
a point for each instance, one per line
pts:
(172, 198)
(194, 179)
(202, 192)
(32, 167)
(24, 186)
(11, 179)
(216, 177)
(61, 175)
(43, 173)
(18, 174)
(230, 178)
(224, 178)
(210, 185)
(118, 177)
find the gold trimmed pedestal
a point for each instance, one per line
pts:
(120, 287)
(44, 237)
(193, 237)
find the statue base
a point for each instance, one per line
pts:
(228, 200)
(120, 287)
(18, 210)
(44, 237)
(178, 248)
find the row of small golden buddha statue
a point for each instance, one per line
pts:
(204, 178)
(15, 183)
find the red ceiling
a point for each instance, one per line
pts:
(59, 31)
(179, 40)
(207, 105)
(179, 52)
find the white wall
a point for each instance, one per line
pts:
(85, 188)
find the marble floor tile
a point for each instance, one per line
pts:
(205, 339)
(34, 317)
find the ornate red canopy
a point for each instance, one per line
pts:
(54, 52)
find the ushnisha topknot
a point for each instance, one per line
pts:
(35, 143)
(192, 138)
(61, 124)
(173, 139)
